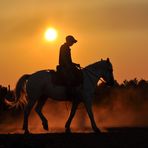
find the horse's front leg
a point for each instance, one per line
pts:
(88, 105)
(72, 113)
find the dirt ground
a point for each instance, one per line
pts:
(114, 138)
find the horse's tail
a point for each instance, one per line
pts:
(20, 92)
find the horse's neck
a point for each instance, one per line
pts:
(90, 78)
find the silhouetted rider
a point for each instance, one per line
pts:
(65, 59)
(71, 71)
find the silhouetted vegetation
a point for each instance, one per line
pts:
(5, 92)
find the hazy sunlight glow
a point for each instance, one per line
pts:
(50, 34)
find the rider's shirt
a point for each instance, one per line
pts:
(65, 56)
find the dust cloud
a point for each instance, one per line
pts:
(112, 107)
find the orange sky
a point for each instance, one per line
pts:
(115, 29)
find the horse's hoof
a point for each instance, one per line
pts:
(67, 130)
(45, 126)
(97, 131)
(26, 132)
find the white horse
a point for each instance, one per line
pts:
(39, 87)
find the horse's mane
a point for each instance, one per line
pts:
(93, 65)
(101, 63)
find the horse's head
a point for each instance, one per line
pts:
(107, 72)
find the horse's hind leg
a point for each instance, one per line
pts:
(38, 109)
(72, 113)
(27, 111)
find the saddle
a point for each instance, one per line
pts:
(60, 77)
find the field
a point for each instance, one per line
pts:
(114, 138)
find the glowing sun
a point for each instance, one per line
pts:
(50, 34)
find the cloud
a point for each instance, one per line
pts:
(112, 18)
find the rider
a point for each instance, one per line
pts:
(70, 70)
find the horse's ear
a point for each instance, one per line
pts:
(101, 59)
(108, 60)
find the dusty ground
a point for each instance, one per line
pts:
(114, 138)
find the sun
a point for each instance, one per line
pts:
(50, 34)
